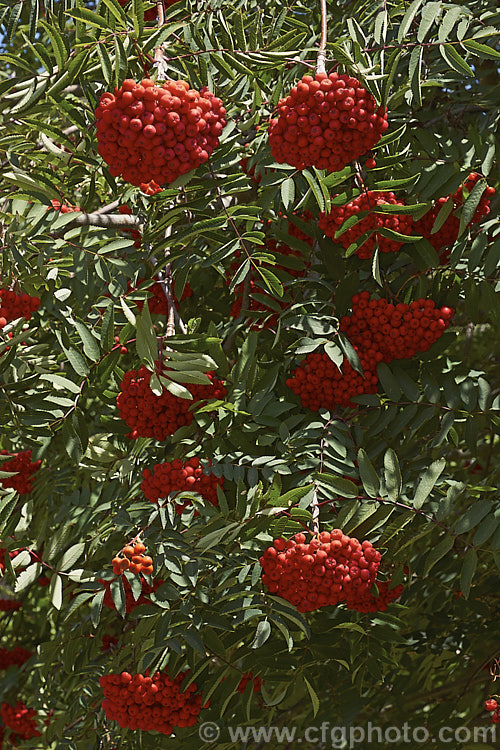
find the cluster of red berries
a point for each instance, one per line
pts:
(108, 642)
(492, 705)
(154, 416)
(158, 302)
(257, 682)
(178, 476)
(17, 656)
(134, 234)
(326, 122)
(151, 188)
(20, 720)
(380, 332)
(448, 234)
(123, 349)
(331, 569)
(21, 463)
(64, 208)
(130, 602)
(150, 703)
(14, 306)
(398, 331)
(10, 605)
(319, 383)
(134, 560)
(149, 132)
(367, 202)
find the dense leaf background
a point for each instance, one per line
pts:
(422, 454)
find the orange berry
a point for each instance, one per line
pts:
(139, 548)
(128, 550)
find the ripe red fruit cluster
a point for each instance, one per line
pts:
(134, 560)
(179, 476)
(134, 234)
(150, 703)
(10, 605)
(20, 720)
(331, 569)
(326, 122)
(130, 602)
(397, 331)
(14, 306)
(158, 303)
(151, 188)
(148, 132)
(367, 202)
(257, 682)
(108, 642)
(492, 705)
(16, 655)
(320, 384)
(64, 208)
(157, 417)
(448, 234)
(380, 332)
(21, 463)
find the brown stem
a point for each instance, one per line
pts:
(321, 59)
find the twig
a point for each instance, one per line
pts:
(108, 208)
(118, 221)
(315, 510)
(321, 59)
(160, 63)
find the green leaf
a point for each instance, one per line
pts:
(315, 188)
(481, 50)
(448, 22)
(89, 18)
(71, 556)
(427, 482)
(96, 608)
(454, 60)
(438, 552)
(27, 576)
(430, 14)
(343, 487)
(388, 381)
(471, 203)
(414, 73)
(314, 697)
(468, 569)
(146, 342)
(371, 482)
(271, 281)
(56, 591)
(392, 473)
(288, 192)
(408, 18)
(90, 344)
(472, 516)
(214, 537)
(262, 633)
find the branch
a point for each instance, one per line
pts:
(321, 59)
(315, 510)
(117, 221)
(160, 62)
